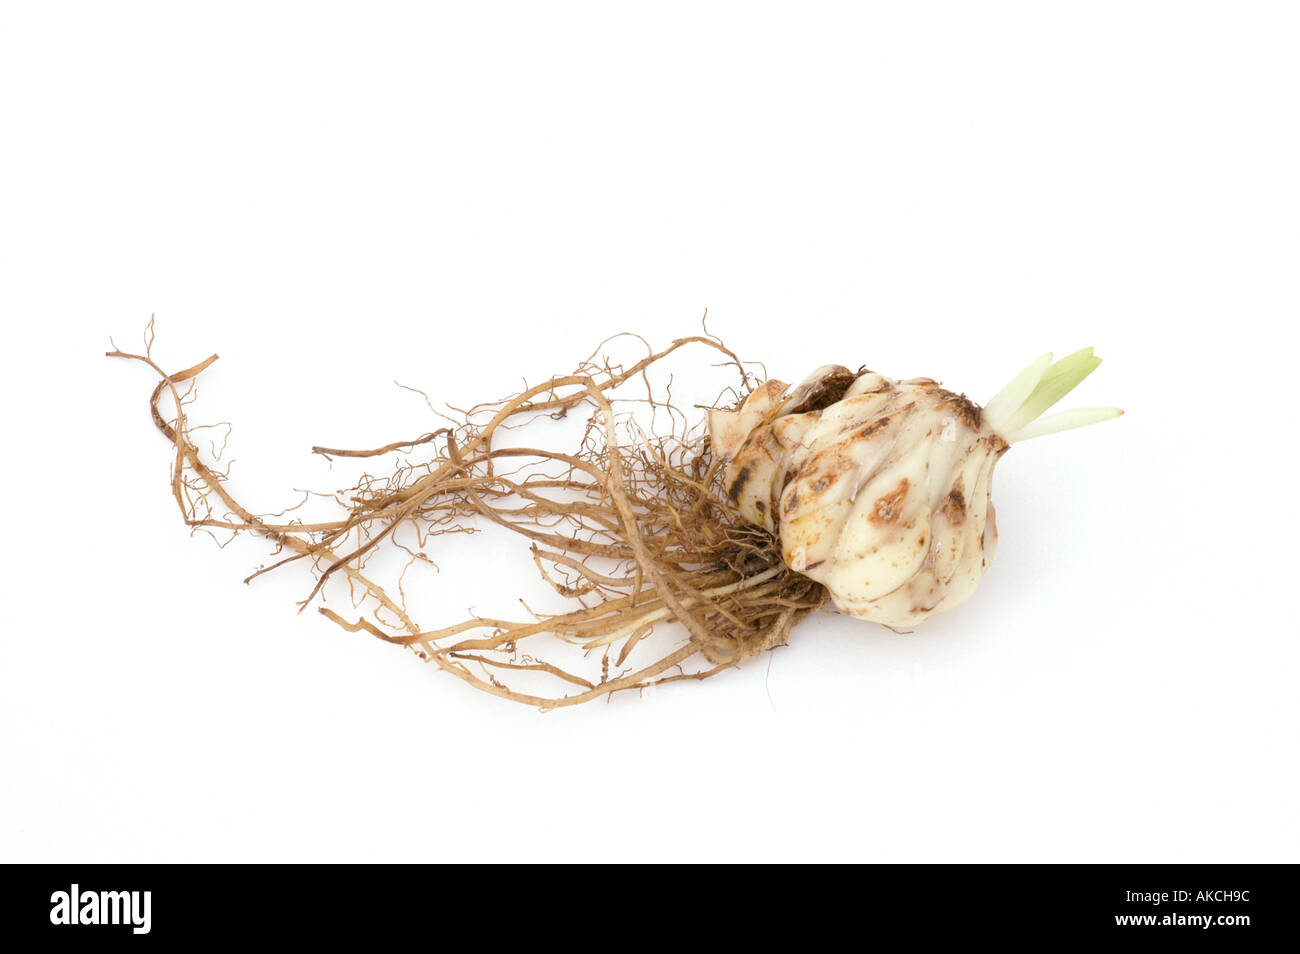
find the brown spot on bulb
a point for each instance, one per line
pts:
(890, 507)
(967, 410)
(738, 485)
(872, 428)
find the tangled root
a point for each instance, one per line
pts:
(635, 533)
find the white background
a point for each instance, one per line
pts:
(335, 196)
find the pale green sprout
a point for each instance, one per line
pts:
(1016, 411)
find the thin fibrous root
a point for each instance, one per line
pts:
(636, 532)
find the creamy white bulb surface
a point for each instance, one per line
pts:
(878, 489)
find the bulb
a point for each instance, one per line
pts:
(877, 489)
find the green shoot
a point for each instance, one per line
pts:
(1016, 408)
(1005, 402)
(1064, 421)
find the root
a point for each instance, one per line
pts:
(635, 530)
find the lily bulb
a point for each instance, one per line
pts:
(880, 489)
